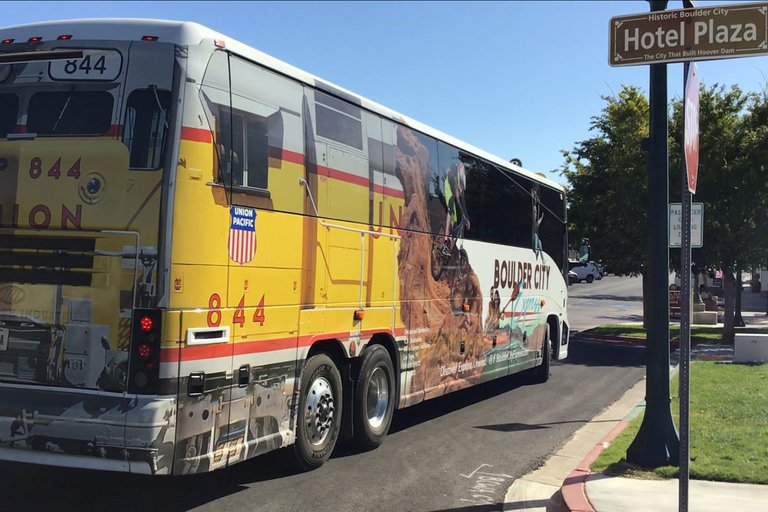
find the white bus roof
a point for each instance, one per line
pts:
(188, 33)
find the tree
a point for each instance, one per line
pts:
(731, 183)
(607, 177)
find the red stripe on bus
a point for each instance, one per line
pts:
(196, 134)
(388, 191)
(196, 353)
(116, 130)
(285, 155)
(345, 176)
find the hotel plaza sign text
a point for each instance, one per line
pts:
(714, 32)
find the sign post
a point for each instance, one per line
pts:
(656, 443)
(689, 182)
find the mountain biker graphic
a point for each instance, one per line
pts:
(454, 185)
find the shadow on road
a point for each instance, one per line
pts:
(65, 490)
(604, 353)
(517, 427)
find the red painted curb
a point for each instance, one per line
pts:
(573, 490)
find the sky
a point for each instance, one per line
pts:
(516, 79)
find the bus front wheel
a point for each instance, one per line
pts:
(319, 415)
(374, 397)
(542, 371)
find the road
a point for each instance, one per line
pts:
(459, 453)
(609, 300)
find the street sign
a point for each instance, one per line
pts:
(719, 32)
(676, 224)
(691, 127)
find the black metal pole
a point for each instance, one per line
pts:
(657, 444)
(684, 385)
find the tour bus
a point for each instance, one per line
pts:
(207, 254)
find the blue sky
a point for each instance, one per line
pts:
(517, 79)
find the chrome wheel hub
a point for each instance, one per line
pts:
(318, 415)
(377, 398)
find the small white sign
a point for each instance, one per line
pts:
(93, 65)
(676, 224)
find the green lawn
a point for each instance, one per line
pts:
(707, 335)
(728, 427)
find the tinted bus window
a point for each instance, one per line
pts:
(146, 124)
(9, 111)
(70, 113)
(552, 229)
(499, 204)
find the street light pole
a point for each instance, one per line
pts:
(657, 443)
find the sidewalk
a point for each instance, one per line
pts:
(564, 483)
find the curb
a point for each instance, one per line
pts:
(573, 489)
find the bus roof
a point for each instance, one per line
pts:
(187, 33)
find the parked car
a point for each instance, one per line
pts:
(587, 272)
(573, 277)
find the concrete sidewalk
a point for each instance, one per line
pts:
(565, 483)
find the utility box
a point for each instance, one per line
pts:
(750, 348)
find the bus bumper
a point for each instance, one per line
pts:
(87, 429)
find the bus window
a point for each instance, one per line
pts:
(70, 113)
(146, 124)
(338, 121)
(9, 111)
(552, 230)
(499, 202)
(247, 136)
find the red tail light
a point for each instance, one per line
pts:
(149, 38)
(66, 37)
(7, 41)
(144, 351)
(146, 324)
(144, 369)
(35, 39)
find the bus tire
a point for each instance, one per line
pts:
(541, 374)
(374, 398)
(319, 414)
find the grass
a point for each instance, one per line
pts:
(699, 335)
(728, 427)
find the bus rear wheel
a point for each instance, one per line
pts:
(374, 398)
(319, 415)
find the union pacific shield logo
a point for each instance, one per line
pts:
(242, 234)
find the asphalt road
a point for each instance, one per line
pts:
(610, 300)
(459, 453)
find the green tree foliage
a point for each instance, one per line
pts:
(608, 180)
(733, 155)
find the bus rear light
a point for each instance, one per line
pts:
(64, 37)
(149, 38)
(218, 43)
(144, 362)
(7, 41)
(144, 351)
(146, 324)
(35, 39)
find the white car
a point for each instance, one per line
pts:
(587, 272)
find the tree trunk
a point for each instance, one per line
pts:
(646, 298)
(729, 287)
(738, 321)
